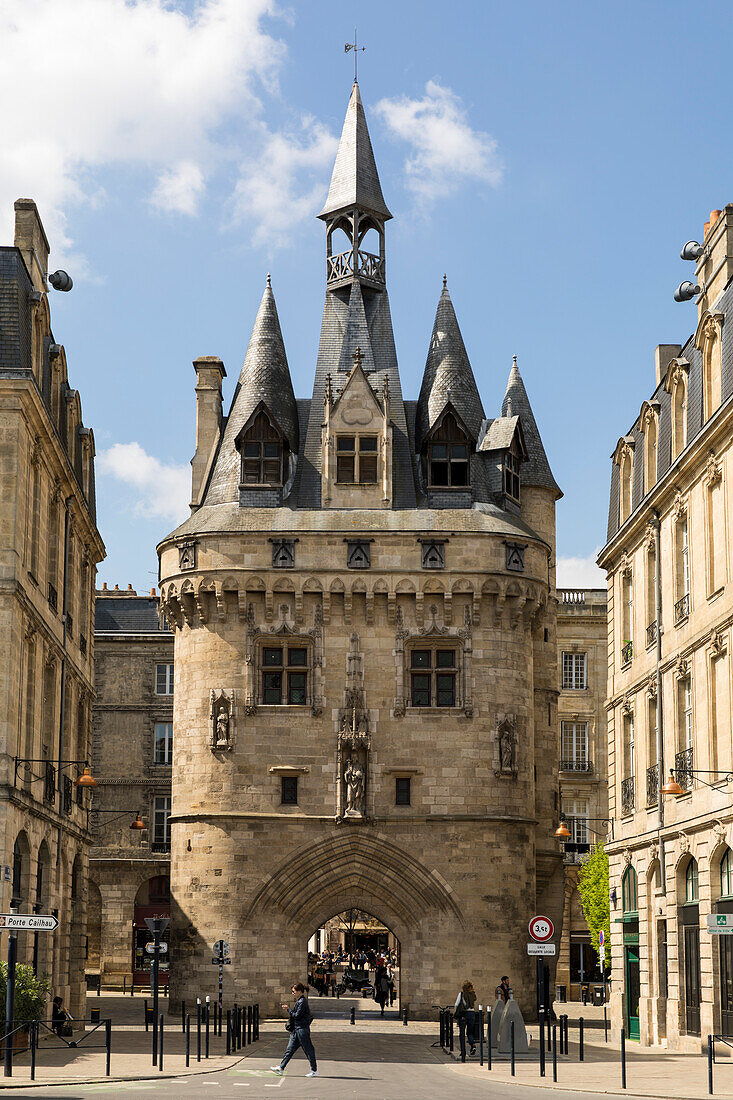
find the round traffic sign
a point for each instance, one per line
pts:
(541, 929)
(221, 947)
(601, 938)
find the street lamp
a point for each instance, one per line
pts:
(673, 787)
(86, 779)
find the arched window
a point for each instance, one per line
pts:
(691, 886)
(448, 455)
(262, 453)
(626, 473)
(712, 365)
(650, 453)
(679, 415)
(18, 870)
(726, 874)
(629, 891)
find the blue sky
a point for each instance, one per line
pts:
(552, 159)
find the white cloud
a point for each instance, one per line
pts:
(446, 151)
(286, 182)
(580, 572)
(93, 84)
(162, 489)
(179, 189)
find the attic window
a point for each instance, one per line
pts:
(356, 459)
(262, 453)
(510, 474)
(448, 456)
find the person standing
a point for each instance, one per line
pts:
(381, 986)
(299, 1025)
(464, 1009)
(503, 990)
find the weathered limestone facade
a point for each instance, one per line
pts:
(49, 548)
(668, 558)
(131, 755)
(364, 614)
(582, 670)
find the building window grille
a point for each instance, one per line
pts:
(726, 875)
(68, 795)
(161, 824)
(283, 554)
(53, 597)
(574, 671)
(69, 625)
(402, 791)
(356, 459)
(433, 677)
(164, 679)
(651, 634)
(262, 453)
(289, 790)
(574, 747)
(683, 765)
(83, 645)
(682, 609)
(627, 652)
(163, 743)
(511, 475)
(433, 555)
(448, 456)
(652, 785)
(284, 675)
(627, 795)
(49, 786)
(358, 554)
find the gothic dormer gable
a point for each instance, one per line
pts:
(263, 451)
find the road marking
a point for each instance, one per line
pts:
(276, 1086)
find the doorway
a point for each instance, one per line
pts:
(356, 958)
(633, 987)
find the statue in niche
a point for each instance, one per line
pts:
(354, 780)
(220, 712)
(507, 749)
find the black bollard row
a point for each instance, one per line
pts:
(188, 1040)
(160, 1043)
(581, 1052)
(462, 1037)
(623, 1058)
(488, 1037)
(198, 1029)
(542, 1044)
(554, 1054)
(480, 1036)
(711, 1060)
(107, 1043)
(352, 1015)
(511, 1038)
(404, 1015)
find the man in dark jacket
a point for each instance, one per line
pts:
(299, 1026)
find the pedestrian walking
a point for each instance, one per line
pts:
(299, 1026)
(503, 990)
(381, 986)
(464, 1009)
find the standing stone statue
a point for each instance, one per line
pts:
(506, 749)
(222, 727)
(354, 779)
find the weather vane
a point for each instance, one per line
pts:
(357, 50)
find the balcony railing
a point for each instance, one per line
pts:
(627, 652)
(368, 266)
(627, 795)
(68, 795)
(683, 763)
(160, 846)
(83, 645)
(69, 625)
(575, 852)
(682, 609)
(576, 765)
(652, 785)
(49, 786)
(651, 634)
(53, 597)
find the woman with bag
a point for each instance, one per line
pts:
(464, 1010)
(299, 1024)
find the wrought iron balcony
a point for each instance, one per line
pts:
(69, 625)
(83, 645)
(651, 634)
(576, 765)
(627, 652)
(367, 266)
(627, 795)
(53, 597)
(575, 852)
(160, 846)
(49, 786)
(68, 795)
(652, 785)
(683, 768)
(682, 609)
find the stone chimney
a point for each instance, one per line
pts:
(32, 241)
(209, 376)
(715, 267)
(663, 356)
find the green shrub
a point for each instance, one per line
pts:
(31, 994)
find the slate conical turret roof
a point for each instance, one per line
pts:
(355, 180)
(265, 377)
(448, 376)
(536, 470)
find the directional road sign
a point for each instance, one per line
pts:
(541, 929)
(164, 922)
(150, 948)
(219, 961)
(35, 922)
(221, 947)
(540, 948)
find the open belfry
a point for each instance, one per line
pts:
(364, 610)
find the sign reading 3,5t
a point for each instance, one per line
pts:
(541, 929)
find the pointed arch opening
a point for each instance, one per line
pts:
(263, 450)
(356, 955)
(447, 452)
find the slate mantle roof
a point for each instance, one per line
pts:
(127, 615)
(536, 470)
(355, 180)
(448, 376)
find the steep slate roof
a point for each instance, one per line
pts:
(448, 376)
(355, 181)
(127, 615)
(536, 470)
(265, 377)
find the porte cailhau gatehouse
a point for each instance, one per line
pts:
(364, 611)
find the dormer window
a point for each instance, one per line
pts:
(448, 455)
(262, 453)
(356, 459)
(510, 475)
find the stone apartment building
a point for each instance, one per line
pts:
(582, 670)
(132, 752)
(670, 609)
(49, 547)
(364, 614)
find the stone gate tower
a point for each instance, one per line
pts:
(365, 658)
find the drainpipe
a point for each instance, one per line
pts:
(62, 708)
(660, 709)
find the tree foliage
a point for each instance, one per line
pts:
(593, 890)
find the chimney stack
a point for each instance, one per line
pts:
(32, 241)
(209, 376)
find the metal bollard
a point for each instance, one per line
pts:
(462, 1037)
(188, 1040)
(94, 1015)
(450, 1031)
(235, 1027)
(34, 1042)
(229, 1032)
(488, 1037)
(554, 1054)
(243, 1026)
(623, 1058)
(404, 1016)
(480, 1035)
(711, 1040)
(512, 1046)
(183, 1017)
(441, 1028)
(146, 1013)
(353, 1015)
(257, 1021)
(160, 1044)
(542, 1044)
(198, 1029)
(338, 993)
(249, 1025)
(605, 1023)
(206, 1034)
(580, 1040)
(99, 985)
(124, 984)
(108, 1044)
